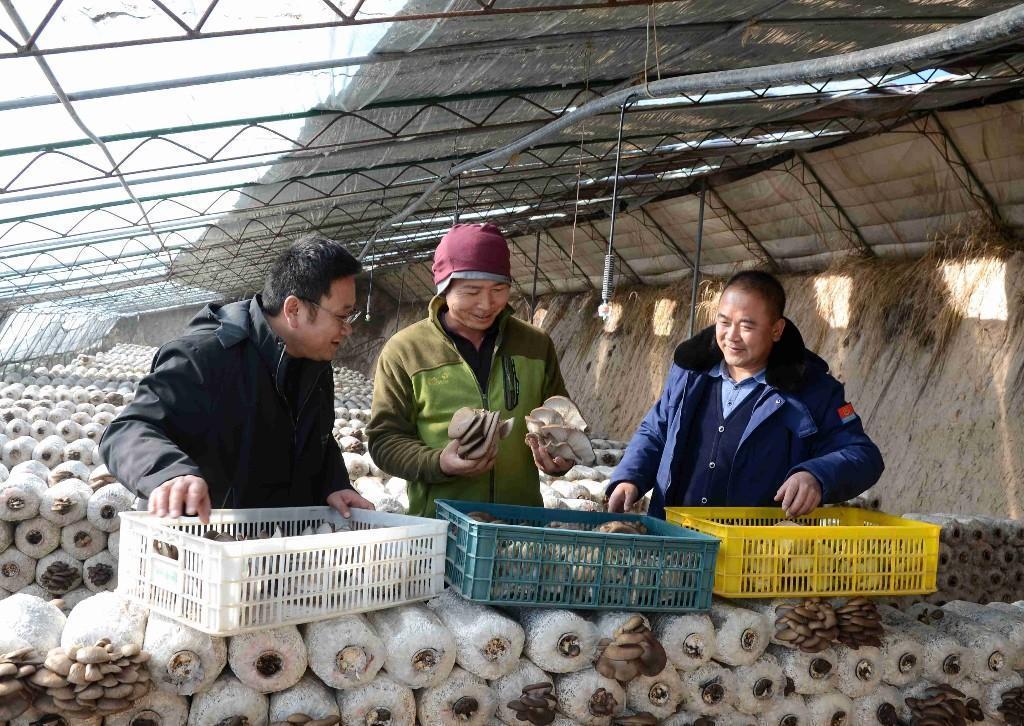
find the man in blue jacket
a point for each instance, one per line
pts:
(748, 417)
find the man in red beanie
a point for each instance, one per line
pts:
(469, 352)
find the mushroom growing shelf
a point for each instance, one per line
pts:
(532, 556)
(375, 561)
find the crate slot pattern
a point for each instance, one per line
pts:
(526, 562)
(839, 551)
(381, 561)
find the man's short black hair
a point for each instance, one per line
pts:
(763, 284)
(306, 270)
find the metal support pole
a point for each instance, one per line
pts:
(997, 27)
(608, 281)
(401, 292)
(536, 270)
(696, 262)
(369, 295)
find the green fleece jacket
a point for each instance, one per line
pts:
(422, 380)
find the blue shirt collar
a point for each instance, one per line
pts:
(720, 371)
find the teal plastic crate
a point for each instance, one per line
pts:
(526, 562)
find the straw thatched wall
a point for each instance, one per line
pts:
(930, 352)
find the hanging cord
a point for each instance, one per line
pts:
(369, 269)
(369, 294)
(579, 165)
(458, 183)
(536, 269)
(608, 280)
(458, 198)
(652, 22)
(401, 291)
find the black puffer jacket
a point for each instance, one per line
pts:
(214, 406)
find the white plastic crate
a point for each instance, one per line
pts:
(224, 588)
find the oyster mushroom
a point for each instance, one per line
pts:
(477, 430)
(631, 652)
(537, 704)
(859, 623)
(560, 429)
(69, 470)
(16, 694)
(567, 410)
(100, 679)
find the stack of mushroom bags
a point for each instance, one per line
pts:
(451, 662)
(981, 559)
(59, 505)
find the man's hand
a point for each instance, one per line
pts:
(454, 465)
(799, 494)
(183, 493)
(623, 497)
(552, 466)
(345, 499)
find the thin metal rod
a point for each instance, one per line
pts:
(615, 181)
(419, 54)
(519, 248)
(348, 21)
(728, 32)
(696, 263)
(671, 241)
(536, 271)
(63, 99)
(996, 27)
(401, 291)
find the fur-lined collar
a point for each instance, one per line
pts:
(788, 365)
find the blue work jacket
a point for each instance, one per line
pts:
(800, 422)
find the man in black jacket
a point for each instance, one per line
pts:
(239, 411)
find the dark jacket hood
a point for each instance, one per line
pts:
(790, 364)
(231, 322)
(235, 322)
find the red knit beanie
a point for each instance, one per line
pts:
(472, 252)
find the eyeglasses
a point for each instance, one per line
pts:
(347, 319)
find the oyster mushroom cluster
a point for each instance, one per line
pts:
(621, 526)
(476, 430)
(944, 705)
(538, 705)
(859, 624)
(302, 719)
(633, 651)
(810, 627)
(60, 577)
(16, 667)
(559, 427)
(1011, 705)
(99, 574)
(485, 518)
(603, 703)
(100, 679)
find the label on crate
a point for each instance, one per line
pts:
(164, 574)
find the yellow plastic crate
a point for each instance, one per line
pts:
(839, 551)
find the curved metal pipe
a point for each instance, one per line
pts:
(998, 26)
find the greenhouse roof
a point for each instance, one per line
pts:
(161, 152)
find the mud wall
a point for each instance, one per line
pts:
(935, 373)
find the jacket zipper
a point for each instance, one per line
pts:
(490, 372)
(287, 405)
(483, 394)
